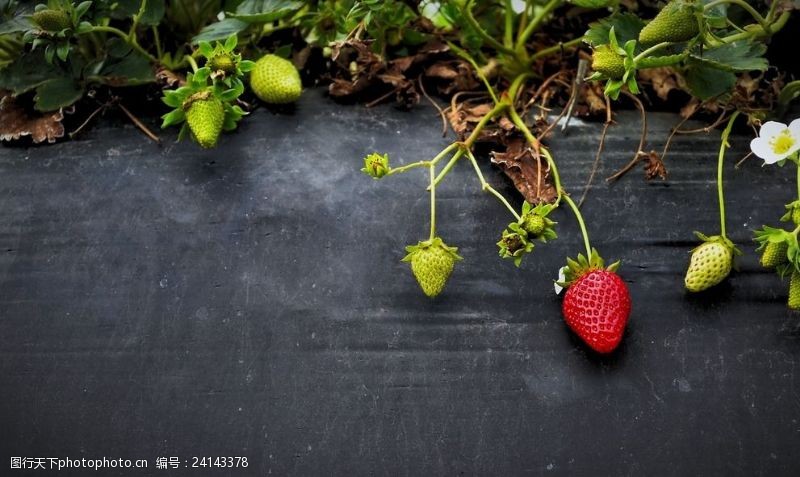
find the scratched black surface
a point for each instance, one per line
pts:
(250, 301)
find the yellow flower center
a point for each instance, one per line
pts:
(782, 143)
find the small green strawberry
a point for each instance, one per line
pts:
(51, 20)
(711, 263)
(205, 114)
(533, 224)
(224, 62)
(432, 263)
(275, 80)
(774, 254)
(794, 291)
(676, 22)
(792, 212)
(608, 62)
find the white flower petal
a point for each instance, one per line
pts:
(771, 128)
(561, 276)
(518, 6)
(761, 148)
(794, 127)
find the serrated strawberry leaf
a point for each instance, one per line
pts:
(626, 27)
(706, 82)
(736, 56)
(263, 11)
(57, 93)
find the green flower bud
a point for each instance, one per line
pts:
(376, 165)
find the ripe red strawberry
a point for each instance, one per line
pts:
(597, 303)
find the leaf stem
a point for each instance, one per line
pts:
(485, 186)
(745, 6)
(121, 34)
(579, 218)
(651, 50)
(432, 170)
(485, 36)
(720, 160)
(554, 49)
(534, 24)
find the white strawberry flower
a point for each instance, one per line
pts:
(776, 141)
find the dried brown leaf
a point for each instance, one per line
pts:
(654, 166)
(527, 170)
(16, 122)
(663, 80)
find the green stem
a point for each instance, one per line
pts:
(485, 186)
(463, 54)
(432, 162)
(432, 170)
(508, 38)
(486, 37)
(136, 18)
(744, 5)
(554, 49)
(121, 34)
(771, 29)
(498, 108)
(579, 218)
(797, 161)
(157, 41)
(534, 24)
(651, 50)
(449, 166)
(720, 160)
(520, 124)
(192, 62)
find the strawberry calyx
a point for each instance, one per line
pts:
(582, 265)
(771, 236)
(792, 213)
(717, 238)
(426, 244)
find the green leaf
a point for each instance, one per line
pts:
(626, 27)
(173, 117)
(57, 93)
(592, 3)
(717, 15)
(83, 7)
(152, 15)
(737, 56)
(263, 11)
(706, 83)
(15, 25)
(130, 70)
(220, 30)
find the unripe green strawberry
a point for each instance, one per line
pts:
(432, 263)
(710, 263)
(205, 115)
(774, 254)
(608, 62)
(794, 291)
(533, 224)
(275, 80)
(675, 22)
(796, 215)
(223, 62)
(52, 20)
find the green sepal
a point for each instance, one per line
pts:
(542, 211)
(792, 213)
(717, 238)
(577, 268)
(376, 165)
(435, 242)
(514, 243)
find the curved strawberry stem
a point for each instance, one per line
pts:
(721, 159)
(432, 170)
(579, 218)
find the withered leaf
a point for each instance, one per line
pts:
(663, 80)
(16, 121)
(527, 170)
(654, 166)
